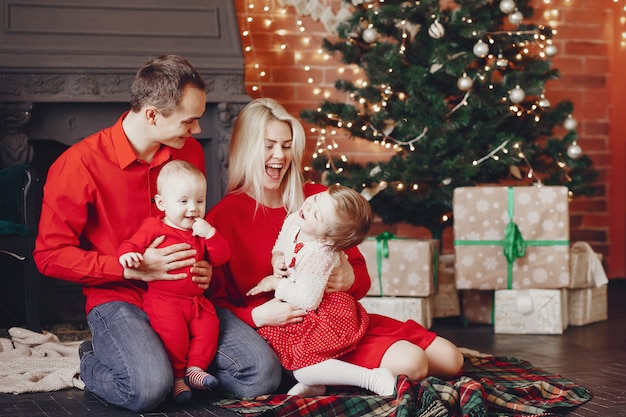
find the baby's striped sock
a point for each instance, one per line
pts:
(197, 378)
(182, 392)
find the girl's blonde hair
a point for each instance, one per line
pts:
(353, 218)
(247, 149)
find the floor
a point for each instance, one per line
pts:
(593, 356)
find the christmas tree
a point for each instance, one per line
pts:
(458, 91)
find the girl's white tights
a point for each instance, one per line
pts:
(313, 379)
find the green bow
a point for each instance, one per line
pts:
(514, 245)
(382, 250)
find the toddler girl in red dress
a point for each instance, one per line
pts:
(306, 251)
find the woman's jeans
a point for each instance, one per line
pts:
(129, 366)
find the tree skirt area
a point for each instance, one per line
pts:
(488, 386)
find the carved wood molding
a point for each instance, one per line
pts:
(94, 87)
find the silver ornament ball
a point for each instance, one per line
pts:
(507, 6)
(464, 83)
(516, 18)
(481, 49)
(517, 95)
(436, 30)
(550, 50)
(370, 35)
(570, 123)
(574, 151)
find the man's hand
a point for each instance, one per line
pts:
(158, 262)
(342, 277)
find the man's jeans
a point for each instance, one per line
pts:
(129, 366)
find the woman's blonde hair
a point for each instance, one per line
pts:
(246, 167)
(353, 218)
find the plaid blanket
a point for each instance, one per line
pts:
(488, 386)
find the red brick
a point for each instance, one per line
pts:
(586, 48)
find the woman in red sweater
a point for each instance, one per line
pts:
(265, 185)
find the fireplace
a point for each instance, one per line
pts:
(66, 68)
(65, 72)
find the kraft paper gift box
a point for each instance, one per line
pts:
(532, 311)
(477, 306)
(418, 309)
(586, 268)
(401, 267)
(511, 237)
(446, 298)
(587, 305)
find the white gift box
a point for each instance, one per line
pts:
(587, 305)
(532, 311)
(418, 309)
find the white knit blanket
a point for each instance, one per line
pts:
(36, 362)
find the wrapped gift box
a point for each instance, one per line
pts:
(511, 237)
(418, 309)
(446, 299)
(477, 306)
(400, 267)
(587, 305)
(586, 268)
(534, 311)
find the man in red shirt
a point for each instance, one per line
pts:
(97, 194)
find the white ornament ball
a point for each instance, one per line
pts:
(570, 123)
(517, 95)
(436, 30)
(464, 83)
(574, 151)
(550, 50)
(481, 49)
(507, 6)
(370, 35)
(516, 18)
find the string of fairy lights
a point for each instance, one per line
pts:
(271, 16)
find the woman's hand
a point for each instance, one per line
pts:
(267, 284)
(158, 262)
(342, 277)
(276, 313)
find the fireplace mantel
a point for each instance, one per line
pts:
(66, 67)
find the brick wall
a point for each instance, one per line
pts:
(298, 76)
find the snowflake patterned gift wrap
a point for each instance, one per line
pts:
(586, 268)
(446, 298)
(534, 311)
(511, 237)
(401, 267)
(419, 309)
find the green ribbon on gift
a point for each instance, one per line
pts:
(513, 244)
(382, 251)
